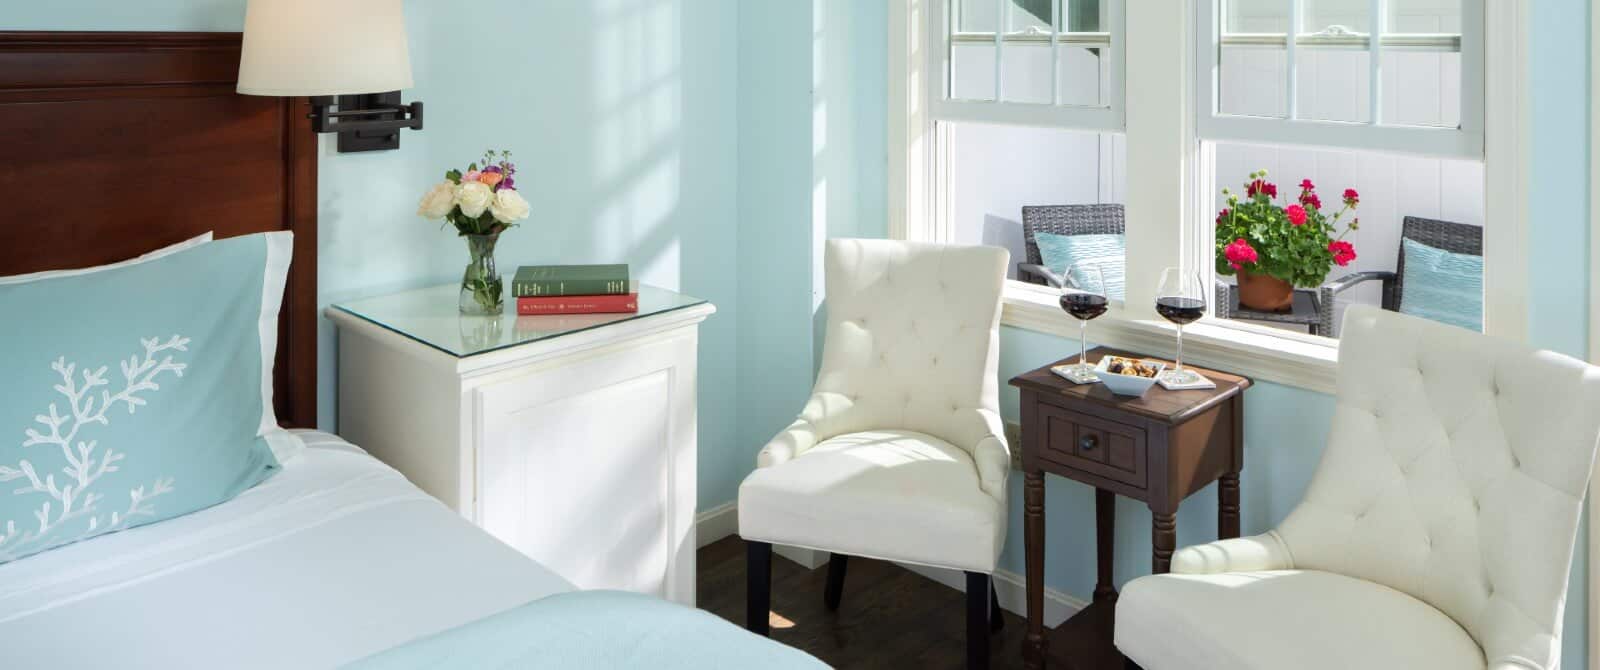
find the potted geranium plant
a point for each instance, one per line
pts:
(481, 203)
(1274, 247)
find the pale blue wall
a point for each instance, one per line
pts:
(1285, 427)
(1558, 239)
(622, 114)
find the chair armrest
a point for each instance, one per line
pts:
(993, 459)
(1353, 279)
(785, 446)
(1242, 554)
(1042, 272)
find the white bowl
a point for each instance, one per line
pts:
(1131, 385)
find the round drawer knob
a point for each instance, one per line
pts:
(1088, 443)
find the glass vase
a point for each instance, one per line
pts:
(481, 292)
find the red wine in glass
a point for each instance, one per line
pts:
(1182, 311)
(1084, 306)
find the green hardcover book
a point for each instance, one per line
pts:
(554, 280)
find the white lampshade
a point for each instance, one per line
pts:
(323, 47)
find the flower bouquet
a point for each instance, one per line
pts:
(1274, 248)
(481, 203)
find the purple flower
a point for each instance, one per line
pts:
(493, 168)
(509, 183)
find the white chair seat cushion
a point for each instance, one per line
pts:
(1300, 619)
(893, 495)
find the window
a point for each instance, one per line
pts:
(1396, 118)
(1052, 63)
(1418, 104)
(1416, 88)
(1026, 112)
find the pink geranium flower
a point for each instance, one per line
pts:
(1239, 253)
(1223, 215)
(1351, 197)
(1306, 185)
(1343, 252)
(1296, 214)
(1311, 200)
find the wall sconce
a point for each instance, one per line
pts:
(348, 56)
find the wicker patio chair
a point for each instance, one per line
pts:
(1063, 220)
(1457, 238)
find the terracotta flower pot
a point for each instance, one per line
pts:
(1265, 293)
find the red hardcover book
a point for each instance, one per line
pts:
(578, 304)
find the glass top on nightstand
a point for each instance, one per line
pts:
(431, 316)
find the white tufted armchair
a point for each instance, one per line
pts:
(899, 454)
(1437, 532)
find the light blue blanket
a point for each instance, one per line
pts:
(594, 629)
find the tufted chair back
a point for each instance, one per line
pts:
(1455, 472)
(912, 343)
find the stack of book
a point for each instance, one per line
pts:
(574, 289)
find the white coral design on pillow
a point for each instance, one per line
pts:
(71, 498)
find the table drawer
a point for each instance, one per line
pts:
(1093, 445)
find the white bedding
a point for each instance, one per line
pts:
(334, 558)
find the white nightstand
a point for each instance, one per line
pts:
(570, 438)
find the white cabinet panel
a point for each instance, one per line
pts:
(577, 450)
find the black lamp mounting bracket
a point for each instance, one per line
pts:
(366, 122)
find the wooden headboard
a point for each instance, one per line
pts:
(117, 143)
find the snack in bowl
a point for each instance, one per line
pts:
(1128, 376)
(1128, 366)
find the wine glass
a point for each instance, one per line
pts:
(1181, 300)
(1084, 299)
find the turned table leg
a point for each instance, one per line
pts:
(1033, 643)
(1163, 539)
(1228, 506)
(1105, 520)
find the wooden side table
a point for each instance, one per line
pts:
(1159, 449)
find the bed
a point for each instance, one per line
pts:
(336, 558)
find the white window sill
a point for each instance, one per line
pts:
(1297, 361)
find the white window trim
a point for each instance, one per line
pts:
(1593, 634)
(1465, 142)
(1158, 56)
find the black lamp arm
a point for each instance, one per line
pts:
(365, 122)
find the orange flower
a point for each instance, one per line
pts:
(491, 178)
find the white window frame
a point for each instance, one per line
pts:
(1465, 141)
(1172, 194)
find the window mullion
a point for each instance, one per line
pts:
(999, 44)
(1292, 107)
(1375, 55)
(1057, 22)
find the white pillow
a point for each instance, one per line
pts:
(163, 251)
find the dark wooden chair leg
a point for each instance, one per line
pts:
(997, 618)
(978, 596)
(758, 586)
(837, 563)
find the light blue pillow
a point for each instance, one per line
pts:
(138, 393)
(1060, 252)
(1442, 286)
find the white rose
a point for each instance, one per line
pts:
(438, 202)
(473, 197)
(509, 206)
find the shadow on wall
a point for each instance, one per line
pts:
(999, 231)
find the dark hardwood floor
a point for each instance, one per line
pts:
(890, 617)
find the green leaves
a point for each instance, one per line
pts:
(454, 176)
(1296, 254)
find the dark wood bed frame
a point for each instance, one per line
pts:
(113, 144)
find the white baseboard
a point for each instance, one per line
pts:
(716, 523)
(809, 559)
(723, 521)
(1013, 595)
